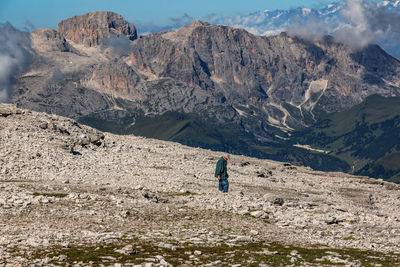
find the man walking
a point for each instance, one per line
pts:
(221, 172)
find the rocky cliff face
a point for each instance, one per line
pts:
(47, 40)
(268, 71)
(119, 78)
(90, 28)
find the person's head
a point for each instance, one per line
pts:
(226, 157)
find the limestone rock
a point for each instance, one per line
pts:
(8, 109)
(90, 28)
(257, 214)
(127, 250)
(278, 201)
(254, 232)
(120, 78)
(47, 40)
(244, 239)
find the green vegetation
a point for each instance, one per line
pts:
(57, 195)
(196, 131)
(185, 194)
(117, 127)
(367, 137)
(175, 126)
(191, 130)
(247, 254)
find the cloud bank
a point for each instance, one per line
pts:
(116, 46)
(184, 19)
(174, 24)
(13, 57)
(359, 23)
(367, 23)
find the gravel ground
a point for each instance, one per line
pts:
(73, 196)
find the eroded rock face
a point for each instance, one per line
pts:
(47, 40)
(118, 77)
(252, 69)
(90, 28)
(8, 109)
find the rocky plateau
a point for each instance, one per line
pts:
(71, 195)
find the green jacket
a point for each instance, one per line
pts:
(221, 169)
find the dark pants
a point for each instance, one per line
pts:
(223, 185)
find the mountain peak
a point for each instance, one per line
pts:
(88, 29)
(183, 33)
(198, 23)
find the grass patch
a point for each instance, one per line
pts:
(185, 194)
(247, 254)
(57, 195)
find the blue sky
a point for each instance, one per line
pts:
(47, 13)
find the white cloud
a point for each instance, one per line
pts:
(13, 57)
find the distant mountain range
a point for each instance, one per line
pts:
(373, 22)
(216, 87)
(272, 22)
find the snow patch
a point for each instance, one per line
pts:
(277, 16)
(384, 3)
(388, 3)
(306, 11)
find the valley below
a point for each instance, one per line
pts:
(71, 195)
